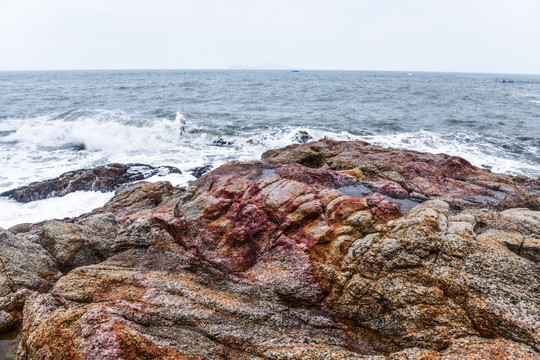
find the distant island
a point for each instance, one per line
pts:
(263, 66)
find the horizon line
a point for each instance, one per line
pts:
(269, 69)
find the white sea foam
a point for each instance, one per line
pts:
(73, 204)
(105, 131)
(180, 180)
(42, 147)
(471, 147)
(70, 205)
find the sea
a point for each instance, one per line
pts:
(56, 121)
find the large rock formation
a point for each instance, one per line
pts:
(327, 250)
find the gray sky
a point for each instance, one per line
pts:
(418, 35)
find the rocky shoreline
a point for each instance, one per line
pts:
(323, 250)
(102, 178)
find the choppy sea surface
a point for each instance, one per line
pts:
(56, 121)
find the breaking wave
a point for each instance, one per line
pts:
(86, 138)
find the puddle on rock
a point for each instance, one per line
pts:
(484, 200)
(355, 190)
(496, 192)
(405, 205)
(493, 196)
(268, 172)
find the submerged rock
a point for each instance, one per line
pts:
(302, 137)
(266, 260)
(221, 142)
(200, 170)
(102, 178)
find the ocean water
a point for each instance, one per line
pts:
(53, 122)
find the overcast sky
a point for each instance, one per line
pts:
(420, 35)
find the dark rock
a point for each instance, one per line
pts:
(102, 178)
(222, 142)
(302, 137)
(79, 147)
(200, 170)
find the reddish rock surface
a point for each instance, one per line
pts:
(423, 175)
(327, 250)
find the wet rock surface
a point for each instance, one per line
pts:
(422, 175)
(200, 170)
(298, 259)
(102, 178)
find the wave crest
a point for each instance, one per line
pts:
(43, 147)
(109, 131)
